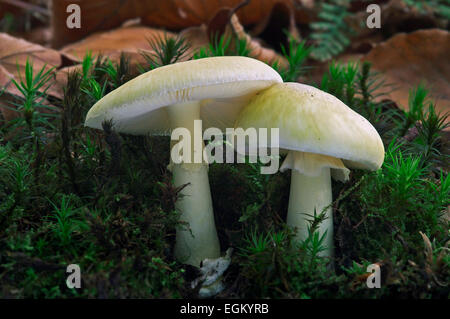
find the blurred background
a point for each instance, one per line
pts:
(411, 46)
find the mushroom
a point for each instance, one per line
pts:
(174, 96)
(323, 137)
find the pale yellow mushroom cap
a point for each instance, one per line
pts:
(223, 85)
(313, 121)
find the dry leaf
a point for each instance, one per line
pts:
(98, 15)
(226, 23)
(130, 40)
(273, 27)
(180, 14)
(6, 82)
(14, 53)
(407, 60)
(197, 37)
(256, 49)
(435, 265)
(39, 35)
(6, 99)
(428, 248)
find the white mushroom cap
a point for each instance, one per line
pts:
(222, 85)
(313, 121)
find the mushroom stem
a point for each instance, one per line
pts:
(197, 240)
(308, 193)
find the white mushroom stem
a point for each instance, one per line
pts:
(311, 190)
(198, 239)
(309, 193)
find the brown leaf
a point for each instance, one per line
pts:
(256, 49)
(179, 14)
(6, 82)
(197, 37)
(406, 60)
(6, 97)
(226, 23)
(39, 35)
(130, 40)
(435, 267)
(428, 248)
(14, 53)
(273, 26)
(98, 15)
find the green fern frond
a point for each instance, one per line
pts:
(331, 33)
(440, 8)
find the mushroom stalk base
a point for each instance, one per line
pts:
(308, 193)
(197, 239)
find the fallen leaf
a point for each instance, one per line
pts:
(97, 15)
(180, 14)
(407, 60)
(274, 26)
(257, 51)
(7, 92)
(130, 40)
(6, 82)
(39, 35)
(428, 251)
(14, 53)
(226, 23)
(197, 37)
